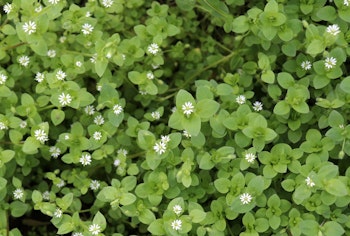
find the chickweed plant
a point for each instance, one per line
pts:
(174, 117)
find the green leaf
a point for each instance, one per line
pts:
(65, 202)
(301, 107)
(101, 66)
(332, 228)
(206, 108)
(315, 47)
(145, 139)
(281, 108)
(197, 215)
(30, 146)
(222, 185)
(327, 13)
(127, 199)
(286, 80)
(309, 227)
(192, 124)
(156, 227)
(216, 8)
(57, 116)
(240, 25)
(335, 119)
(345, 84)
(336, 188)
(36, 196)
(65, 228)
(100, 220)
(18, 208)
(38, 45)
(268, 77)
(147, 216)
(107, 194)
(182, 97)
(5, 91)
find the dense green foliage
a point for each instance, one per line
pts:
(185, 117)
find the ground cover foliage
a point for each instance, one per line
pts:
(202, 117)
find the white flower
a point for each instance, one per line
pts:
(117, 109)
(55, 151)
(108, 55)
(330, 62)
(51, 53)
(160, 147)
(46, 195)
(61, 183)
(155, 66)
(7, 8)
(245, 198)
(98, 88)
(38, 9)
(333, 29)
(165, 138)
(99, 120)
(77, 234)
(65, 99)
(177, 209)
(85, 159)
(142, 92)
(97, 135)
(60, 75)
(107, 3)
(3, 126)
(24, 61)
(186, 134)
(29, 27)
(62, 39)
(78, 63)
(346, 3)
(173, 109)
(116, 162)
(240, 99)
(41, 135)
(250, 157)
(3, 78)
(23, 124)
(39, 77)
(94, 184)
(124, 57)
(306, 65)
(93, 58)
(18, 193)
(257, 106)
(58, 213)
(150, 75)
(89, 110)
(309, 182)
(155, 115)
(87, 14)
(122, 151)
(153, 48)
(95, 229)
(176, 224)
(54, 1)
(66, 137)
(188, 108)
(87, 29)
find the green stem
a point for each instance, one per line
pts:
(194, 76)
(15, 46)
(136, 155)
(47, 107)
